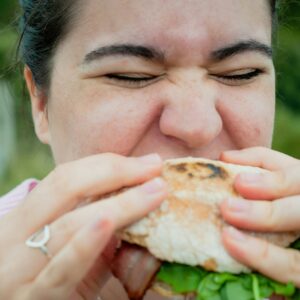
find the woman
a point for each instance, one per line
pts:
(112, 82)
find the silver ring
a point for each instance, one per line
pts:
(39, 240)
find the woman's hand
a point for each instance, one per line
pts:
(79, 235)
(274, 206)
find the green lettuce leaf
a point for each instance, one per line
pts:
(235, 290)
(296, 244)
(181, 278)
(222, 286)
(296, 296)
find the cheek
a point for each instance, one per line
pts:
(104, 121)
(249, 118)
(114, 125)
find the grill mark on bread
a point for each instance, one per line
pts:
(214, 171)
(200, 170)
(182, 167)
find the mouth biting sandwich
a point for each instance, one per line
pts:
(177, 250)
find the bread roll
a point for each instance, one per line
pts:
(187, 226)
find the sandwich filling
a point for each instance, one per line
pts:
(206, 285)
(187, 229)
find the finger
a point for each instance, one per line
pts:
(259, 157)
(69, 184)
(60, 278)
(277, 216)
(269, 185)
(125, 209)
(277, 263)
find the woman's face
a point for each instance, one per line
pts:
(180, 78)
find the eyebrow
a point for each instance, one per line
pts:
(150, 53)
(145, 52)
(241, 47)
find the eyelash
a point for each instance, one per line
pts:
(139, 81)
(245, 76)
(130, 80)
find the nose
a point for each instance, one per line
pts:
(190, 114)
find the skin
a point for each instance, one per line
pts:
(170, 114)
(189, 108)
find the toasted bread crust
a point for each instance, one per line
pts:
(187, 227)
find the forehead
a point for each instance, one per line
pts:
(175, 26)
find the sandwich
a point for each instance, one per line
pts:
(177, 250)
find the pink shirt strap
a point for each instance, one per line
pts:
(16, 196)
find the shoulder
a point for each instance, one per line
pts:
(16, 196)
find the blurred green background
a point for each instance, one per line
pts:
(22, 156)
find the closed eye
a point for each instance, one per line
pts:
(243, 76)
(239, 77)
(137, 80)
(132, 80)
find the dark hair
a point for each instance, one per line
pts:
(43, 24)
(273, 7)
(274, 4)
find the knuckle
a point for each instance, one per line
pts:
(52, 280)
(272, 216)
(127, 200)
(294, 266)
(112, 159)
(113, 171)
(126, 204)
(264, 251)
(64, 227)
(117, 168)
(79, 251)
(122, 206)
(281, 183)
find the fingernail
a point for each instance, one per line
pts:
(154, 186)
(236, 234)
(251, 178)
(151, 159)
(238, 205)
